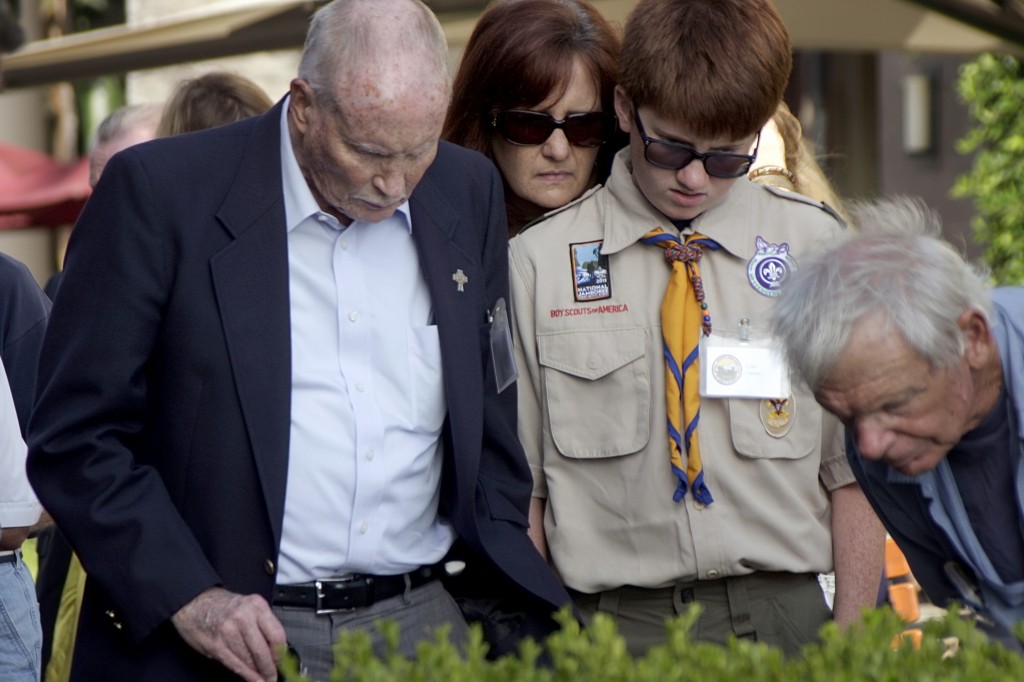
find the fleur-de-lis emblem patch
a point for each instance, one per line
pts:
(770, 267)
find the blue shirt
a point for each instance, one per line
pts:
(368, 404)
(985, 470)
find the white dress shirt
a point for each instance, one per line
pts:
(364, 466)
(18, 504)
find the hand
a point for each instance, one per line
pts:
(239, 631)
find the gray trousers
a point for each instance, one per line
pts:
(785, 610)
(418, 613)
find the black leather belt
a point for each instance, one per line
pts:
(355, 592)
(9, 557)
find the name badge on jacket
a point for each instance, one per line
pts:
(505, 372)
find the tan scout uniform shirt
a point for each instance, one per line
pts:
(592, 407)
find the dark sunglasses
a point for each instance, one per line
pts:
(675, 155)
(530, 128)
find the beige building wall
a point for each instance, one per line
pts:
(272, 71)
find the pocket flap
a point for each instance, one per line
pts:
(590, 354)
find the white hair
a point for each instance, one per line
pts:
(126, 119)
(348, 35)
(897, 268)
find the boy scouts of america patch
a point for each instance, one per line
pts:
(591, 278)
(777, 415)
(770, 267)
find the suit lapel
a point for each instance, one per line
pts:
(459, 316)
(250, 278)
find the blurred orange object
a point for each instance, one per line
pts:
(913, 635)
(902, 586)
(896, 565)
(903, 597)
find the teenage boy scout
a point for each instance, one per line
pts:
(743, 524)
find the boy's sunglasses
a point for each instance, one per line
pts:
(675, 155)
(530, 128)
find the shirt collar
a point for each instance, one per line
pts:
(299, 203)
(732, 223)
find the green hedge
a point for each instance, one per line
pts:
(992, 86)
(951, 650)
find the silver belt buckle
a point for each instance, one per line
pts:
(319, 584)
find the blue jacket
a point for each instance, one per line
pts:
(925, 514)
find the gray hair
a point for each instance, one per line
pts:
(348, 35)
(898, 267)
(124, 119)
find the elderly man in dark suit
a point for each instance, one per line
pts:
(273, 397)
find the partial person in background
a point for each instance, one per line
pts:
(122, 128)
(20, 636)
(785, 159)
(534, 93)
(900, 338)
(213, 99)
(24, 309)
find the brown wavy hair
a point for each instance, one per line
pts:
(521, 52)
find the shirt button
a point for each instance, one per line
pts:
(359, 387)
(344, 244)
(699, 506)
(369, 455)
(268, 566)
(363, 528)
(712, 574)
(353, 316)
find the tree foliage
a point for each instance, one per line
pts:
(993, 88)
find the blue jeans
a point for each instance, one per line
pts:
(21, 636)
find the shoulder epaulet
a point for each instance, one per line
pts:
(796, 196)
(556, 211)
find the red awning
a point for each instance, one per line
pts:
(37, 190)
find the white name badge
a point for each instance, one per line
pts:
(730, 368)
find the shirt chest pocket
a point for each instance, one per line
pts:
(759, 432)
(597, 390)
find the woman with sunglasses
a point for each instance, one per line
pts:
(534, 93)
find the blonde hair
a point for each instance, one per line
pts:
(214, 99)
(809, 178)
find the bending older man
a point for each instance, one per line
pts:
(900, 338)
(268, 406)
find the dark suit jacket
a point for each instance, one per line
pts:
(160, 437)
